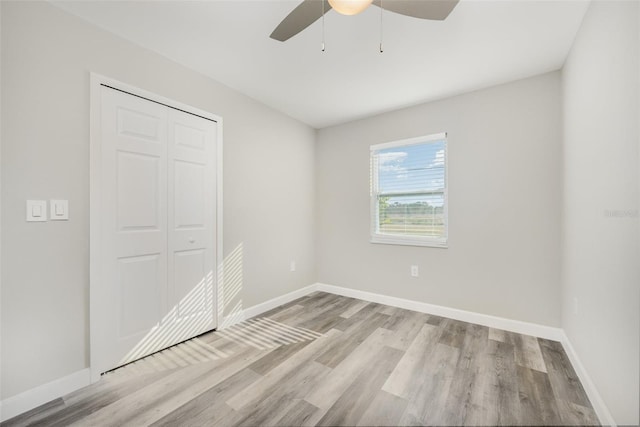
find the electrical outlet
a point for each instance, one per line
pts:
(292, 266)
(414, 271)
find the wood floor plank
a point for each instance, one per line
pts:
(324, 320)
(497, 335)
(536, 397)
(564, 380)
(407, 326)
(435, 320)
(428, 404)
(576, 415)
(453, 332)
(279, 374)
(222, 343)
(407, 377)
(322, 305)
(300, 413)
(385, 409)
(355, 307)
(494, 398)
(356, 399)
(160, 363)
(286, 314)
(206, 408)
(299, 302)
(274, 358)
(333, 385)
(396, 317)
(322, 301)
(340, 348)
(527, 351)
(526, 348)
(389, 310)
(504, 390)
(278, 400)
(208, 348)
(460, 403)
(357, 318)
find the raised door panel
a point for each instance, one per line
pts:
(191, 137)
(189, 195)
(138, 198)
(140, 125)
(139, 297)
(192, 289)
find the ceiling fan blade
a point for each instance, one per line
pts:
(436, 10)
(305, 14)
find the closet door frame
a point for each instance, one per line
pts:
(95, 196)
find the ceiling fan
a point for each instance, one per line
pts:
(309, 11)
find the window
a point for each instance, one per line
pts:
(409, 192)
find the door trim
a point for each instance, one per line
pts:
(96, 81)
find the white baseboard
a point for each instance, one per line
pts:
(517, 326)
(25, 401)
(605, 417)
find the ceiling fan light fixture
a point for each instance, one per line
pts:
(350, 7)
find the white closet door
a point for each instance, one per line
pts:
(191, 221)
(157, 216)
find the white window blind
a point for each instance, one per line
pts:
(409, 191)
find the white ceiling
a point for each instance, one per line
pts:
(482, 43)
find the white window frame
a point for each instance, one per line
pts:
(376, 236)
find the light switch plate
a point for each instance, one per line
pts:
(59, 210)
(36, 210)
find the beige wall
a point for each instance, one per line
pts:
(47, 56)
(504, 147)
(601, 253)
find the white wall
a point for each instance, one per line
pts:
(46, 59)
(601, 251)
(504, 204)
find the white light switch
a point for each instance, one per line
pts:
(59, 210)
(36, 210)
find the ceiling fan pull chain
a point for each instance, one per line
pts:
(381, 11)
(323, 24)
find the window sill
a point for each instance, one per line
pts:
(405, 241)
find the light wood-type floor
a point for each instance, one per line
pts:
(328, 360)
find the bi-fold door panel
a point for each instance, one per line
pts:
(134, 224)
(191, 188)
